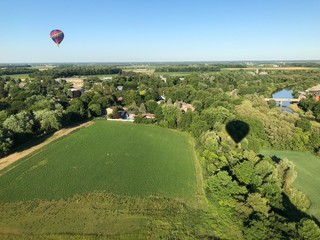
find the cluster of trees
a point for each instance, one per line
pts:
(197, 67)
(189, 68)
(17, 65)
(69, 71)
(16, 70)
(311, 107)
(256, 190)
(303, 64)
(42, 106)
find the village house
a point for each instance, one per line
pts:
(184, 106)
(148, 115)
(123, 114)
(315, 89)
(316, 96)
(109, 111)
(263, 73)
(302, 95)
(119, 88)
(315, 92)
(120, 114)
(22, 84)
(74, 92)
(119, 100)
(131, 114)
(163, 79)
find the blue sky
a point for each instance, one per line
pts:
(140, 30)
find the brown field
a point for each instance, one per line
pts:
(77, 82)
(147, 71)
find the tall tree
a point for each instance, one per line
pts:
(5, 142)
(48, 119)
(142, 108)
(21, 122)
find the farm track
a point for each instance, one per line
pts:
(6, 161)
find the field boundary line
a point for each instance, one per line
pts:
(201, 200)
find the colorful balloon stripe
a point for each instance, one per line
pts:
(57, 36)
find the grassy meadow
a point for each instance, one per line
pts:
(22, 76)
(119, 158)
(308, 178)
(110, 180)
(173, 73)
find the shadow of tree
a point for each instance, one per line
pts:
(276, 159)
(293, 213)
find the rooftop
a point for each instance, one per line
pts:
(314, 89)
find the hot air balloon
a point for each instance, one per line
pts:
(57, 36)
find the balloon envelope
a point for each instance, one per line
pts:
(57, 36)
(237, 130)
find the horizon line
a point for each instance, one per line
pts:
(170, 61)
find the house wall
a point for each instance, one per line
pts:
(316, 97)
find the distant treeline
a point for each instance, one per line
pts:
(70, 71)
(16, 70)
(15, 65)
(305, 64)
(197, 68)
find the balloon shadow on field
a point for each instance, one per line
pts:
(237, 130)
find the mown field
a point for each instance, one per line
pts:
(22, 76)
(101, 76)
(173, 73)
(308, 178)
(119, 158)
(110, 180)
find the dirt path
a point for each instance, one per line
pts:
(6, 161)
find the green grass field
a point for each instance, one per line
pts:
(173, 74)
(111, 180)
(17, 76)
(308, 178)
(119, 158)
(101, 76)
